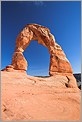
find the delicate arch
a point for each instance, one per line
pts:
(58, 60)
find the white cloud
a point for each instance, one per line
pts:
(38, 3)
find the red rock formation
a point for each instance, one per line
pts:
(58, 60)
(38, 99)
(56, 97)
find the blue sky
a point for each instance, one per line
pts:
(62, 18)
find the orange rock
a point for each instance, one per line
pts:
(35, 98)
(56, 97)
(19, 62)
(58, 60)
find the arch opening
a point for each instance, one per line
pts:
(38, 59)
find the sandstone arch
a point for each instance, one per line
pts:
(58, 61)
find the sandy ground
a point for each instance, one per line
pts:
(33, 98)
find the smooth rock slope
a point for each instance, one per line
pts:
(26, 97)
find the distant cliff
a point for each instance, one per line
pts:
(78, 78)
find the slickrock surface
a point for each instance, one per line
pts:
(26, 97)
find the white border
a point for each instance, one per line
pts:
(0, 63)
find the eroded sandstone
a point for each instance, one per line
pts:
(58, 61)
(31, 98)
(59, 64)
(25, 97)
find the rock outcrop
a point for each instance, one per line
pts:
(58, 61)
(31, 98)
(24, 97)
(59, 64)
